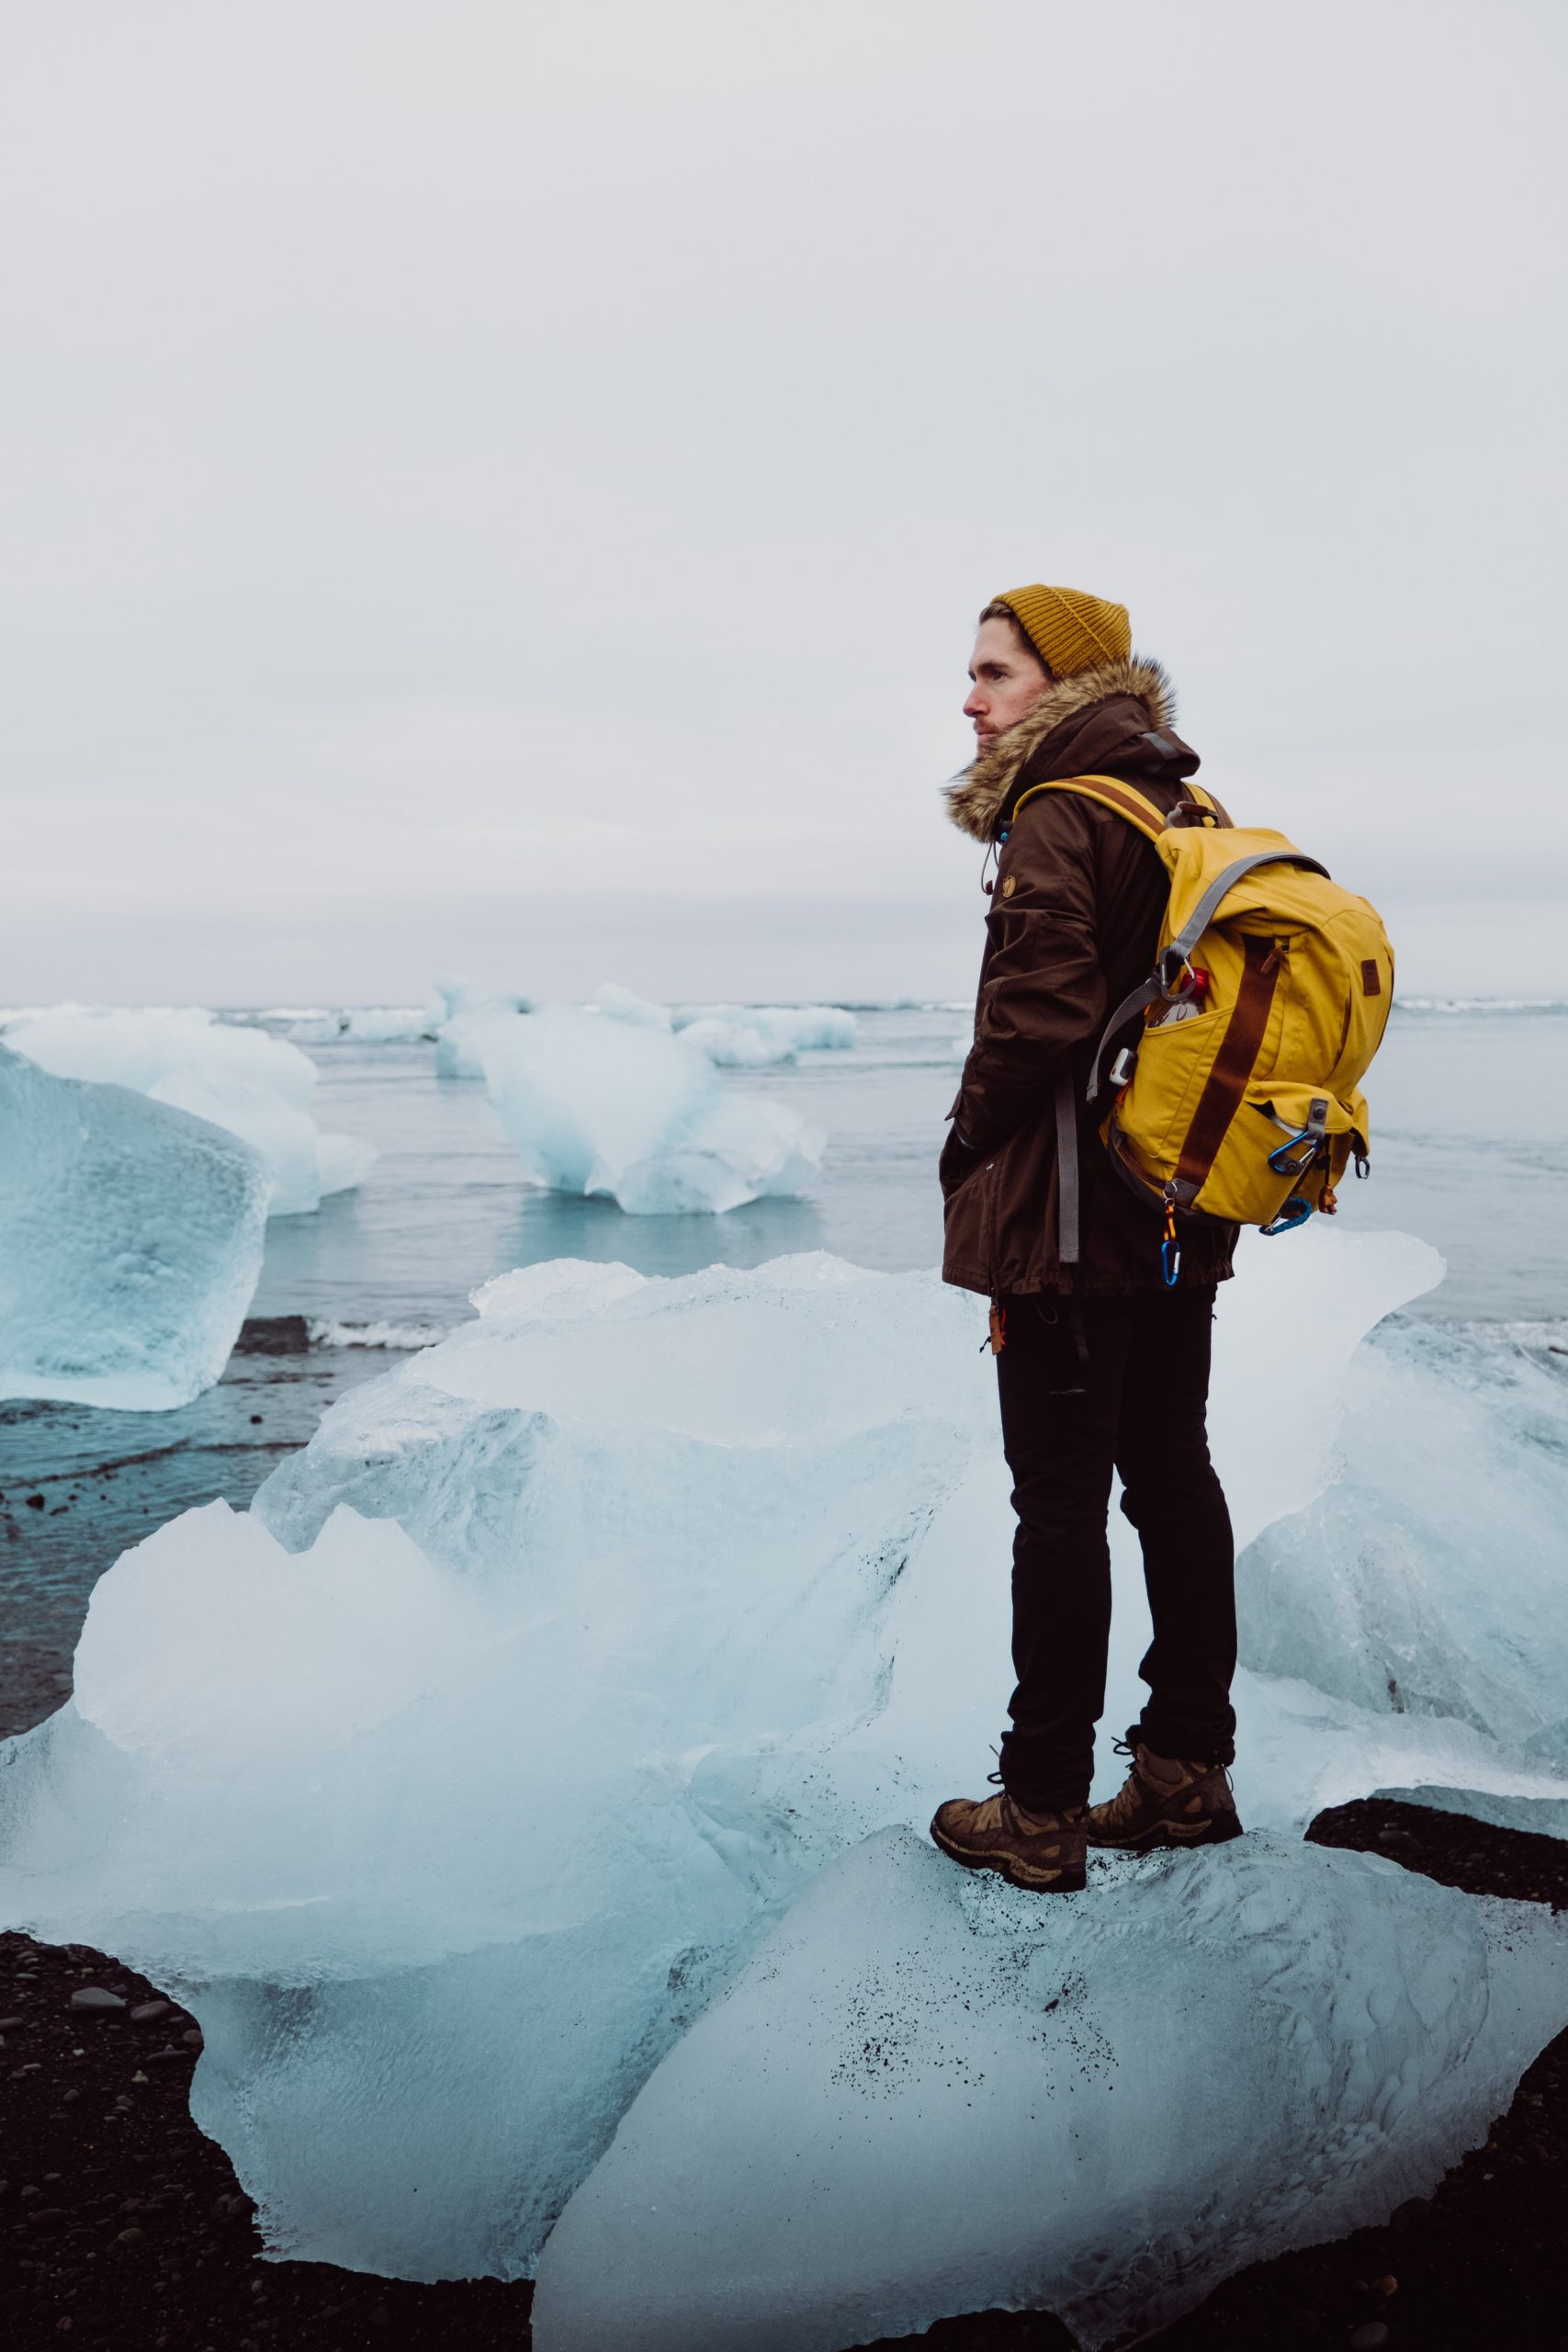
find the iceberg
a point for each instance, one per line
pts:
(461, 1018)
(258, 1087)
(364, 1024)
(744, 1037)
(738, 1037)
(929, 2095)
(617, 1106)
(130, 1242)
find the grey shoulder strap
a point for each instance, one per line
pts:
(1173, 957)
(1066, 1170)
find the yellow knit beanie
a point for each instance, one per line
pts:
(1069, 629)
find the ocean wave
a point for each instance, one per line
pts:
(1481, 1004)
(324, 1333)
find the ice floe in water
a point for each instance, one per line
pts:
(738, 1037)
(362, 1025)
(744, 1037)
(618, 1107)
(537, 1689)
(258, 1087)
(130, 1240)
(929, 2095)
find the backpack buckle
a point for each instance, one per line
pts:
(1171, 974)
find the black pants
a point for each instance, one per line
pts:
(1141, 1409)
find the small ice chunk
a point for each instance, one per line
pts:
(928, 2094)
(130, 1242)
(257, 1086)
(620, 1108)
(385, 1024)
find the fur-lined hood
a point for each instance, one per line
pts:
(976, 799)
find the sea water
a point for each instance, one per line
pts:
(1469, 1150)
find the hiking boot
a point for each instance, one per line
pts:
(1165, 1802)
(1040, 1851)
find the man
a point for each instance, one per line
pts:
(1099, 1365)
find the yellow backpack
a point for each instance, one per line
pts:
(1241, 1096)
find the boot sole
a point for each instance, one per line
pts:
(1061, 1882)
(1217, 1831)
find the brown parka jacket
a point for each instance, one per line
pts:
(1073, 927)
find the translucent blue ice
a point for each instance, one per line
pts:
(130, 1240)
(450, 1784)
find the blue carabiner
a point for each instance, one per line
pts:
(1295, 1212)
(1170, 1262)
(1283, 1159)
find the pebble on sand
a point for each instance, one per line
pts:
(91, 2000)
(1370, 2338)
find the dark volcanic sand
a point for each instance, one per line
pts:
(121, 2225)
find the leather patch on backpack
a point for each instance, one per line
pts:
(1372, 984)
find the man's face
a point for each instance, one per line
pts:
(1006, 681)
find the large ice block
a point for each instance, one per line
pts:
(257, 1086)
(1432, 1576)
(130, 1242)
(649, 1599)
(617, 1105)
(930, 2095)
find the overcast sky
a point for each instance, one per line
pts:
(505, 488)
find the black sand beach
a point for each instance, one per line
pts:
(121, 2225)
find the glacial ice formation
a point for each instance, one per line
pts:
(259, 1087)
(928, 2095)
(130, 1242)
(625, 1004)
(738, 1037)
(619, 1107)
(364, 1024)
(461, 1018)
(539, 1686)
(750, 1036)
(1413, 1581)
